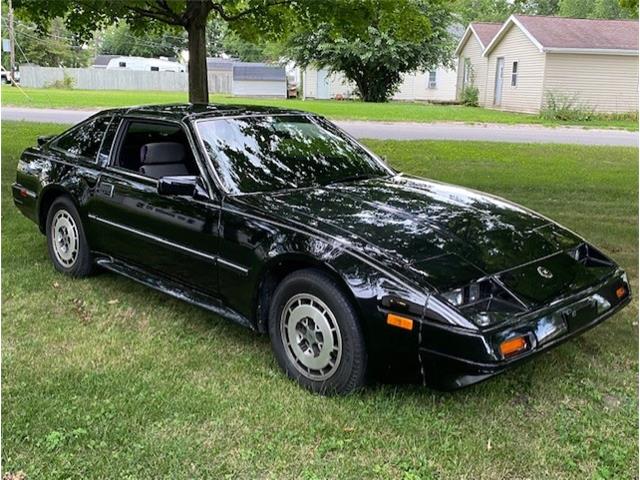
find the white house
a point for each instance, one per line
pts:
(530, 58)
(438, 85)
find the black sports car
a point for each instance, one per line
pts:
(282, 223)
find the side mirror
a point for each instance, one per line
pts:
(188, 185)
(42, 139)
(179, 185)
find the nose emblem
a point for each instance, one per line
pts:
(544, 272)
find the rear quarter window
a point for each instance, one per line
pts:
(85, 139)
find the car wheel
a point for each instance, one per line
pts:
(315, 334)
(66, 241)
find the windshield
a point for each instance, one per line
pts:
(269, 153)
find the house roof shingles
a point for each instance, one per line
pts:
(486, 31)
(559, 32)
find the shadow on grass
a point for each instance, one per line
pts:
(513, 387)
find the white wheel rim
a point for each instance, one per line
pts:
(311, 336)
(65, 238)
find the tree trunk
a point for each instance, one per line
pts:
(196, 29)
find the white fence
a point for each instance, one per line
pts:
(102, 79)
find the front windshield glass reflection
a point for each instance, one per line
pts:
(270, 153)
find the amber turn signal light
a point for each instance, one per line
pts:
(513, 346)
(621, 291)
(400, 322)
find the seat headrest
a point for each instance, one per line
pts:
(161, 152)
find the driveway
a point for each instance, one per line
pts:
(489, 132)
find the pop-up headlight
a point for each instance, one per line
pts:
(485, 302)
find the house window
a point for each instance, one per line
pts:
(122, 64)
(432, 79)
(155, 69)
(514, 74)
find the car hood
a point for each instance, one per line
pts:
(428, 231)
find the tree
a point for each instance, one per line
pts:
(84, 16)
(609, 9)
(372, 42)
(119, 39)
(54, 47)
(251, 50)
(499, 10)
(469, 11)
(631, 7)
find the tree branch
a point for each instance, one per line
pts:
(236, 16)
(161, 15)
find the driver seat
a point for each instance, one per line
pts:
(162, 159)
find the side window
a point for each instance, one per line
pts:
(155, 149)
(85, 139)
(155, 69)
(514, 74)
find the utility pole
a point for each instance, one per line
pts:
(12, 44)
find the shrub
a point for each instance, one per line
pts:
(566, 107)
(67, 83)
(469, 96)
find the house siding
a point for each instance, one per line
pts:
(414, 86)
(259, 88)
(472, 50)
(526, 96)
(606, 83)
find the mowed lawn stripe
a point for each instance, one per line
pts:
(104, 378)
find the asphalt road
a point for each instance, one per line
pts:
(405, 130)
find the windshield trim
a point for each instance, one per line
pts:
(317, 118)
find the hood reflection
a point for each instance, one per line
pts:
(409, 221)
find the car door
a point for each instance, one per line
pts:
(174, 236)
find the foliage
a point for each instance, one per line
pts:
(66, 83)
(250, 50)
(469, 96)
(119, 39)
(560, 106)
(609, 9)
(373, 42)
(631, 7)
(84, 16)
(498, 10)
(53, 47)
(482, 10)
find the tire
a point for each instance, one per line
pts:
(66, 241)
(315, 334)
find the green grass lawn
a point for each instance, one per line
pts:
(351, 110)
(104, 378)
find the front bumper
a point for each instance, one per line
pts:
(449, 357)
(447, 372)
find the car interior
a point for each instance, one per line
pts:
(156, 150)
